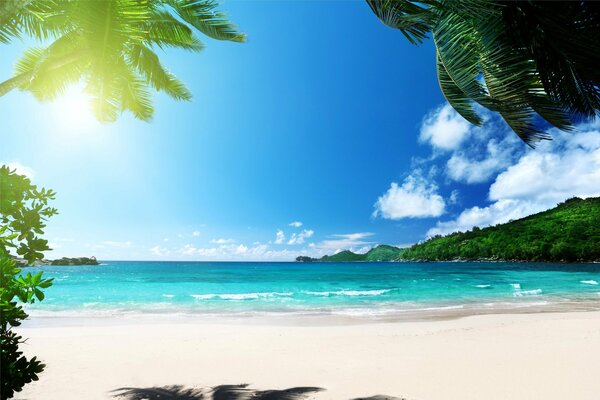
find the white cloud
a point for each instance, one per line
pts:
(347, 241)
(21, 169)
(444, 128)
(279, 237)
(454, 197)
(238, 252)
(196, 233)
(565, 167)
(295, 224)
(222, 241)
(416, 198)
(159, 251)
(499, 212)
(551, 177)
(300, 237)
(475, 166)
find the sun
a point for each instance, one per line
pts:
(72, 111)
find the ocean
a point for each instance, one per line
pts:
(381, 291)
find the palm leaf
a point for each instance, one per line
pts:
(462, 103)
(202, 15)
(148, 64)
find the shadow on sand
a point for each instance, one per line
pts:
(222, 392)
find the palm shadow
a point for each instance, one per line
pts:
(221, 392)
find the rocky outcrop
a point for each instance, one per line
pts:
(75, 261)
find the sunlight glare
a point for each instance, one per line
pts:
(72, 112)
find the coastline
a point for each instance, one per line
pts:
(494, 356)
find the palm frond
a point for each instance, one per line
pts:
(109, 45)
(413, 18)
(148, 64)
(203, 15)
(164, 30)
(524, 60)
(136, 97)
(462, 103)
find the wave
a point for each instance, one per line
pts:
(240, 296)
(589, 282)
(168, 295)
(523, 293)
(516, 286)
(483, 286)
(376, 292)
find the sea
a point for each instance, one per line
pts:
(383, 291)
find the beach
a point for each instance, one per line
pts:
(496, 356)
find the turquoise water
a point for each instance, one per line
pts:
(353, 289)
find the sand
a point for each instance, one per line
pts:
(523, 356)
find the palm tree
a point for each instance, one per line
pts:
(525, 60)
(110, 45)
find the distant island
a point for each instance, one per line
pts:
(75, 261)
(62, 261)
(569, 232)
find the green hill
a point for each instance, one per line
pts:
(383, 252)
(569, 232)
(344, 256)
(379, 253)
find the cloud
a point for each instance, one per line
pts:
(159, 251)
(21, 169)
(238, 252)
(222, 241)
(279, 237)
(416, 198)
(339, 242)
(196, 233)
(476, 154)
(454, 197)
(475, 165)
(566, 167)
(499, 212)
(444, 129)
(300, 237)
(295, 224)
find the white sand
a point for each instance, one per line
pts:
(526, 356)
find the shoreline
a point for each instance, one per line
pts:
(495, 356)
(373, 314)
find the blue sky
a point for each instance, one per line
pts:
(325, 117)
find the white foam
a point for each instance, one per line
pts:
(522, 293)
(483, 286)
(241, 296)
(516, 286)
(168, 295)
(377, 292)
(203, 296)
(589, 282)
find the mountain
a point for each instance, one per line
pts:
(380, 253)
(570, 232)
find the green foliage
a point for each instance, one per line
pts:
(383, 253)
(111, 46)
(569, 232)
(379, 253)
(23, 212)
(343, 256)
(521, 59)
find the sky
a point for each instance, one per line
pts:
(325, 131)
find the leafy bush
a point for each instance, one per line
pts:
(23, 212)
